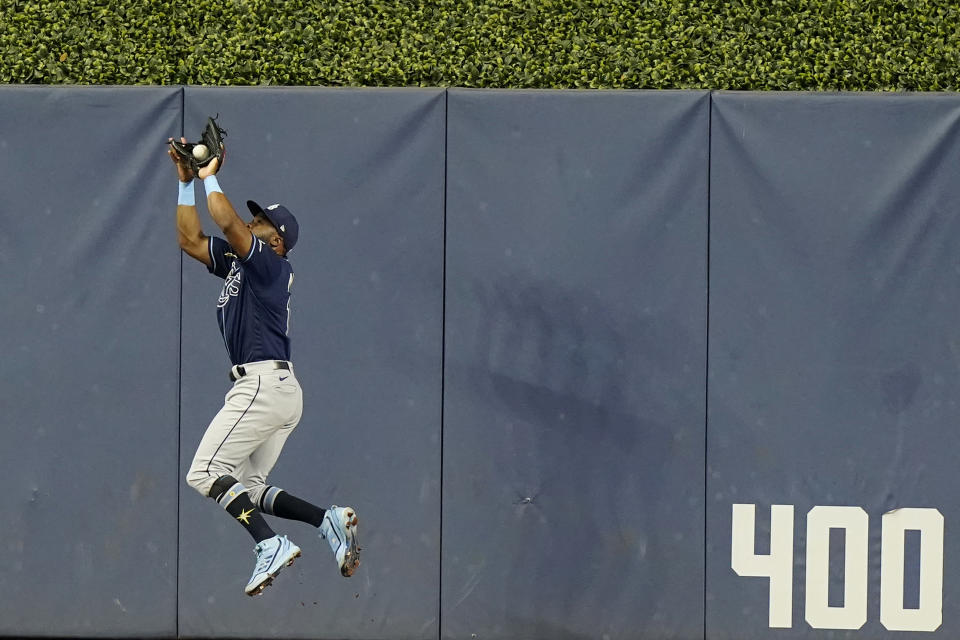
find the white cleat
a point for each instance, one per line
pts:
(339, 528)
(273, 554)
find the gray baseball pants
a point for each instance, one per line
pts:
(246, 436)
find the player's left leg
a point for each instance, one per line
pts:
(339, 528)
(278, 502)
(262, 459)
(272, 500)
(337, 525)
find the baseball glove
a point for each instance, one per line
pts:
(200, 154)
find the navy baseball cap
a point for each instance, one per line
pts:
(281, 218)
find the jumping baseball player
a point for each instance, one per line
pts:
(244, 440)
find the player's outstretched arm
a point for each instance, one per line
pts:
(223, 213)
(189, 230)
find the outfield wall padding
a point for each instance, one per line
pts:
(575, 359)
(833, 340)
(363, 172)
(574, 356)
(91, 328)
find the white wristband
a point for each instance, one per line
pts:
(211, 185)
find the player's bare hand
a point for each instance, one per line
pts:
(184, 170)
(214, 166)
(210, 169)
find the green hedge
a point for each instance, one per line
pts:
(637, 44)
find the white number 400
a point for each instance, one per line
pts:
(778, 565)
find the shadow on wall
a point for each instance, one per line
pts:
(577, 408)
(556, 357)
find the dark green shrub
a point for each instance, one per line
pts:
(641, 44)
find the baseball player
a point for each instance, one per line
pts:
(244, 439)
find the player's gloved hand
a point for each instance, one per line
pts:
(201, 154)
(184, 167)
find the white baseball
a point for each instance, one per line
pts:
(200, 151)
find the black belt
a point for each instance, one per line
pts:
(241, 371)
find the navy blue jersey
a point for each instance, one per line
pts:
(253, 310)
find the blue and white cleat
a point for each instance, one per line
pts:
(339, 528)
(273, 554)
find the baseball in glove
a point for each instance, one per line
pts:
(200, 154)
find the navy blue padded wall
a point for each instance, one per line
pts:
(575, 365)
(90, 323)
(363, 172)
(834, 339)
(573, 451)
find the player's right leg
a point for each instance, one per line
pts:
(239, 428)
(273, 552)
(242, 425)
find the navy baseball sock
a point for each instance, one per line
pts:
(279, 503)
(232, 496)
(250, 517)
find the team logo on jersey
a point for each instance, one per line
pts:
(231, 286)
